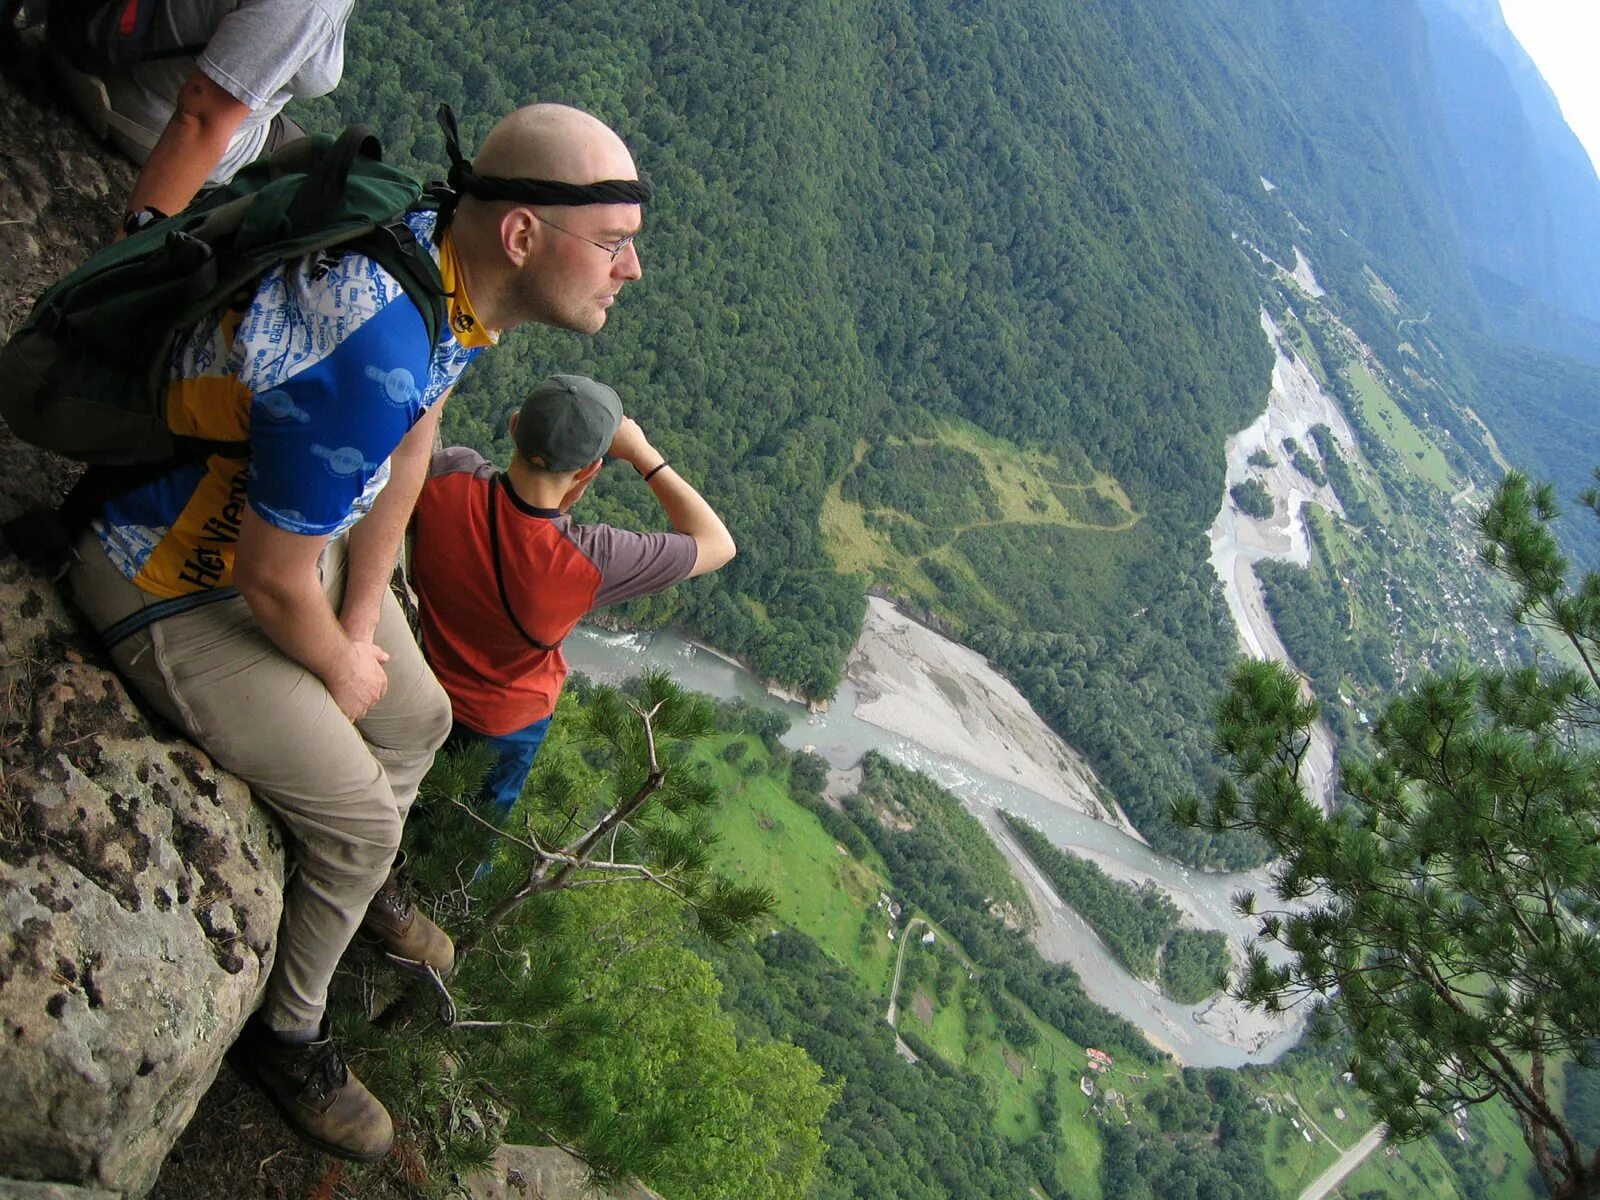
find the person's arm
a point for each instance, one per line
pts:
(375, 539)
(686, 509)
(276, 573)
(197, 136)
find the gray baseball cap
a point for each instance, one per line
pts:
(568, 421)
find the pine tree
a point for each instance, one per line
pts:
(1445, 912)
(578, 1014)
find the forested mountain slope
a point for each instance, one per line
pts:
(952, 299)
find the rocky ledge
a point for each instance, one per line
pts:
(140, 887)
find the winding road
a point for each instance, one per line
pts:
(893, 1015)
(1344, 1165)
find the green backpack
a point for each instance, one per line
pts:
(85, 374)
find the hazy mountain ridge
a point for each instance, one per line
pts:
(1526, 195)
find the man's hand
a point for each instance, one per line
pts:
(360, 681)
(633, 448)
(358, 631)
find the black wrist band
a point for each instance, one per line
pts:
(654, 469)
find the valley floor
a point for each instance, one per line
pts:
(930, 690)
(941, 695)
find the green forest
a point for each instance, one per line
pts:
(958, 304)
(1053, 284)
(878, 227)
(758, 1062)
(951, 302)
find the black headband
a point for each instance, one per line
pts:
(464, 180)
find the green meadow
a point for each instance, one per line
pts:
(1382, 414)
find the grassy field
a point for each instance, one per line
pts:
(1381, 291)
(963, 1030)
(1493, 1153)
(1029, 489)
(1308, 1090)
(821, 890)
(832, 897)
(1382, 414)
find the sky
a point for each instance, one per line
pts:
(1563, 39)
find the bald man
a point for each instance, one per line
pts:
(248, 602)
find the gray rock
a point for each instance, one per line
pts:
(140, 888)
(543, 1173)
(140, 891)
(61, 196)
(11, 1190)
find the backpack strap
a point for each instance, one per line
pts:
(392, 245)
(114, 635)
(322, 193)
(396, 249)
(499, 573)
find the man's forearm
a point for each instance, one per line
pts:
(374, 543)
(204, 119)
(276, 573)
(179, 164)
(295, 614)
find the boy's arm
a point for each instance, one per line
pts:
(686, 508)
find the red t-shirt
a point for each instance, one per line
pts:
(554, 571)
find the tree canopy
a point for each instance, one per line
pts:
(1446, 911)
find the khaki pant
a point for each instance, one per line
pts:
(343, 790)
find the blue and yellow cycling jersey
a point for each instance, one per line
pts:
(322, 373)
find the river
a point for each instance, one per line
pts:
(940, 708)
(1194, 1034)
(1238, 541)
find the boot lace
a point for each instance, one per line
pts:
(397, 898)
(324, 1070)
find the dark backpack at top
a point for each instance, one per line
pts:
(103, 37)
(85, 375)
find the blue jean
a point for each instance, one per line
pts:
(514, 755)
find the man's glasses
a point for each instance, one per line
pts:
(613, 249)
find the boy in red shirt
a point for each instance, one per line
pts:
(503, 573)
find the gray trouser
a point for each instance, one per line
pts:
(343, 790)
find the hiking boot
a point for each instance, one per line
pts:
(315, 1092)
(409, 937)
